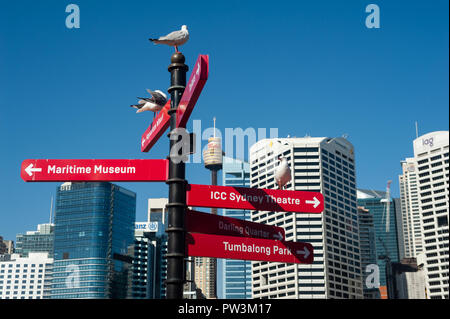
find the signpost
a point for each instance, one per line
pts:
(254, 199)
(246, 248)
(198, 222)
(94, 170)
(193, 89)
(156, 129)
(192, 233)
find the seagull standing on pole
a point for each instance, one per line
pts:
(282, 173)
(174, 39)
(154, 104)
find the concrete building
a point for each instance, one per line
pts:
(26, 277)
(431, 153)
(157, 212)
(325, 165)
(410, 278)
(411, 219)
(149, 262)
(6, 246)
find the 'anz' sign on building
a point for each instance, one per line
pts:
(146, 226)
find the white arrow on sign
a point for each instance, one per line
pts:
(316, 202)
(278, 236)
(304, 252)
(30, 169)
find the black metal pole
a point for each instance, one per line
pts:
(176, 207)
(213, 261)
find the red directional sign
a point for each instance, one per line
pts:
(104, 170)
(198, 222)
(245, 248)
(254, 199)
(156, 129)
(193, 89)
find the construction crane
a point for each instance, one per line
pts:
(387, 207)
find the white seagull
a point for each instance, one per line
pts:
(154, 104)
(282, 173)
(174, 39)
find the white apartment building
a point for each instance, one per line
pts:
(26, 277)
(409, 199)
(325, 165)
(431, 152)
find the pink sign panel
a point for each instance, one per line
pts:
(254, 199)
(245, 248)
(193, 89)
(198, 222)
(156, 129)
(104, 170)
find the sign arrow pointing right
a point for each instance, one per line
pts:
(315, 202)
(304, 252)
(278, 236)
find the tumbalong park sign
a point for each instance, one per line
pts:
(245, 248)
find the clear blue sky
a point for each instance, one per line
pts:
(305, 67)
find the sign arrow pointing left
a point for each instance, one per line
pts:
(30, 169)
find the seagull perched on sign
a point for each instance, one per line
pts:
(154, 104)
(282, 173)
(174, 39)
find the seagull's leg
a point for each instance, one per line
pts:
(151, 126)
(176, 48)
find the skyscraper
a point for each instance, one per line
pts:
(157, 212)
(431, 160)
(387, 242)
(94, 227)
(368, 250)
(147, 261)
(324, 165)
(411, 219)
(236, 274)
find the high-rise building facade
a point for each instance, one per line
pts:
(236, 274)
(431, 153)
(157, 212)
(94, 227)
(36, 241)
(368, 251)
(387, 242)
(26, 277)
(147, 261)
(411, 219)
(325, 165)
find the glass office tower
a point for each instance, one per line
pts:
(236, 274)
(387, 243)
(94, 233)
(36, 241)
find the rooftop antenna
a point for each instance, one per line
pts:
(51, 209)
(417, 130)
(214, 119)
